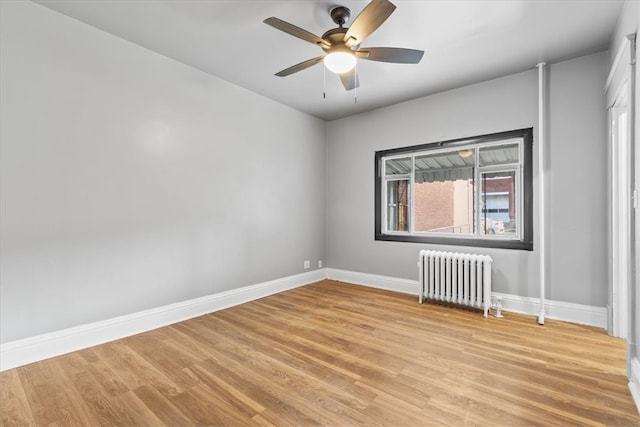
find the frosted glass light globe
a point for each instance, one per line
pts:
(339, 62)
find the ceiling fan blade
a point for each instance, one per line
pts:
(299, 67)
(296, 31)
(371, 17)
(390, 54)
(350, 79)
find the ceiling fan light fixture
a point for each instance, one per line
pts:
(339, 62)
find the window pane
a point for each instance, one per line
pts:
(499, 155)
(397, 166)
(398, 205)
(444, 206)
(444, 192)
(498, 214)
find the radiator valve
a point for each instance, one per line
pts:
(498, 307)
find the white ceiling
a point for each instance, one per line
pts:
(465, 42)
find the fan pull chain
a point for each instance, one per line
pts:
(324, 82)
(355, 83)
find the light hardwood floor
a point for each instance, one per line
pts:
(333, 354)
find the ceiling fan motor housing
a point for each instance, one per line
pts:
(335, 37)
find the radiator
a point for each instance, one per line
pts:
(455, 278)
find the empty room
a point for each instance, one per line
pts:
(293, 213)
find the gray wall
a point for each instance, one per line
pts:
(578, 182)
(130, 181)
(577, 173)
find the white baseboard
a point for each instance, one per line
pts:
(33, 349)
(565, 311)
(374, 281)
(634, 382)
(558, 310)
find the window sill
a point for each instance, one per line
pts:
(458, 241)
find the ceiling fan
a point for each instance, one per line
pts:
(342, 45)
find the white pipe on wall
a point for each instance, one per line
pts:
(541, 141)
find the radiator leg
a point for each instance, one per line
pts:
(420, 278)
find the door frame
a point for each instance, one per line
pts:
(621, 210)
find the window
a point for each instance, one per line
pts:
(473, 192)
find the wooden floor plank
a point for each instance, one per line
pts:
(133, 368)
(15, 410)
(142, 414)
(162, 407)
(333, 354)
(51, 397)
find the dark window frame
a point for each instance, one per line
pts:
(525, 243)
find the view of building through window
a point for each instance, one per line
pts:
(444, 192)
(499, 203)
(445, 206)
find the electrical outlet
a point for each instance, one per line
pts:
(307, 264)
(319, 263)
